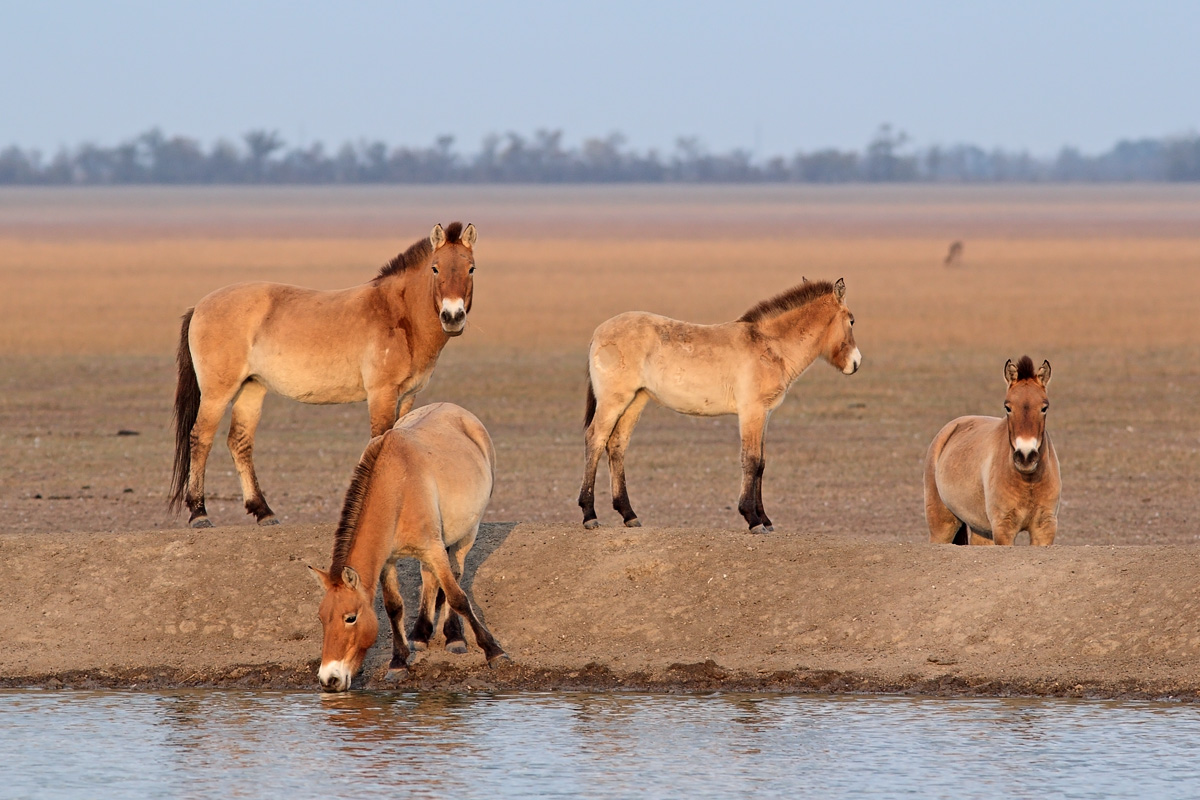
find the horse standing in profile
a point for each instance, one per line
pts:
(419, 491)
(744, 367)
(377, 342)
(987, 479)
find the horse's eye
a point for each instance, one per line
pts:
(351, 619)
(1007, 408)
(435, 272)
(471, 271)
(1044, 408)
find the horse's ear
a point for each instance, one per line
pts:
(1010, 372)
(350, 578)
(437, 237)
(839, 289)
(321, 577)
(1043, 374)
(804, 279)
(469, 236)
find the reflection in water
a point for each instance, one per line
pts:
(250, 744)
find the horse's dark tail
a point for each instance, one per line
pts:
(591, 401)
(187, 406)
(962, 535)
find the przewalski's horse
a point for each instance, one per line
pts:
(988, 478)
(377, 342)
(744, 367)
(419, 491)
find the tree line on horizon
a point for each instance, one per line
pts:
(262, 157)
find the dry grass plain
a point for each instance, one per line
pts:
(845, 596)
(1102, 281)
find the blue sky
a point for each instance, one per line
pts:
(773, 77)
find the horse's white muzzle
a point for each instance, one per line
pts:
(453, 316)
(852, 365)
(334, 677)
(1025, 453)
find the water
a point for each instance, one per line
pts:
(199, 744)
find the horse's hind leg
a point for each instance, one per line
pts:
(944, 527)
(208, 417)
(393, 603)
(439, 563)
(618, 441)
(456, 642)
(427, 612)
(599, 430)
(247, 411)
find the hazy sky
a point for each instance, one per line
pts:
(772, 77)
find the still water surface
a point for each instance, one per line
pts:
(301, 744)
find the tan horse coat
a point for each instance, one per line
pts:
(992, 477)
(744, 367)
(419, 492)
(377, 342)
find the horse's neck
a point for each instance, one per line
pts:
(408, 296)
(794, 336)
(367, 556)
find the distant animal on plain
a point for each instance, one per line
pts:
(744, 367)
(989, 478)
(954, 254)
(377, 342)
(419, 491)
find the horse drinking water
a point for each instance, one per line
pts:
(987, 479)
(419, 491)
(377, 342)
(744, 367)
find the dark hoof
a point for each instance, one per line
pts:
(769, 528)
(459, 647)
(633, 523)
(271, 520)
(200, 522)
(499, 660)
(419, 646)
(758, 529)
(591, 524)
(396, 675)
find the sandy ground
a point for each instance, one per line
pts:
(1102, 281)
(652, 608)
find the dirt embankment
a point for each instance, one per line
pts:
(667, 609)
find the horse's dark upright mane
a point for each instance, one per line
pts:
(793, 298)
(419, 252)
(352, 508)
(1025, 369)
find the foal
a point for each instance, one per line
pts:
(419, 491)
(744, 367)
(988, 478)
(377, 342)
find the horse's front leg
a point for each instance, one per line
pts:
(751, 424)
(393, 603)
(1043, 529)
(381, 407)
(758, 479)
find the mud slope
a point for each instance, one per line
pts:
(650, 608)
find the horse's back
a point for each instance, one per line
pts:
(307, 344)
(690, 367)
(448, 454)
